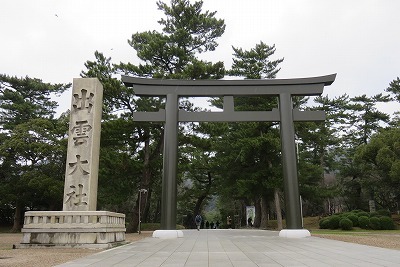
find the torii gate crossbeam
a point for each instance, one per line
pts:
(286, 115)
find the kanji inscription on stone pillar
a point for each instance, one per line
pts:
(81, 174)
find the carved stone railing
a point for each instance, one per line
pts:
(71, 219)
(75, 228)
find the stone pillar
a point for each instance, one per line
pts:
(81, 174)
(79, 224)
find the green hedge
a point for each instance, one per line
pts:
(362, 219)
(362, 214)
(387, 223)
(374, 223)
(363, 222)
(324, 223)
(346, 224)
(334, 221)
(354, 219)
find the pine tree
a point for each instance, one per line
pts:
(394, 88)
(248, 153)
(32, 146)
(255, 63)
(187, 31)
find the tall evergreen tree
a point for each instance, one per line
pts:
(255, 63)
(187, 31)
(248, 153)
(394, 88)
(172, 53)
(364, 121)
(379, 161)
(32, 146)
(319, 144)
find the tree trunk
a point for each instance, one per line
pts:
(17, 219)
(257, 219)
(198, 205)
(206, 192)
(133, 226)
(144, 184)
(278, 209)
(157, 212)
(142, 199)
(146, 210)
(264, 213)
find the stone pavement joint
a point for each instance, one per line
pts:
(242, 248)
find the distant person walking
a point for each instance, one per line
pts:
(250, 222)
(198, 221)
(229, 222)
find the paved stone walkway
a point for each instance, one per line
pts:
(241, 248)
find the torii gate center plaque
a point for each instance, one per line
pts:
(284, 89)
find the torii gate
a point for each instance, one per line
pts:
(284, 89)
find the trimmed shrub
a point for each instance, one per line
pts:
(334, 222)
(387, 223)
(363, 222)
(374, 214)
(346, 224)
(362, 213)
(354, 219)
(375, 223)
(324, 223)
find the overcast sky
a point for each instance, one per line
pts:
(357, 39)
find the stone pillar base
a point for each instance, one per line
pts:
(294, 233)
(89, 229)
(167, 234)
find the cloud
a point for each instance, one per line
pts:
(356, 39)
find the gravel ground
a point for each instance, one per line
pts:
(44, 257)
(49, 257)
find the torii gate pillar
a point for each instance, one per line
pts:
(289, 162)
(170, 164)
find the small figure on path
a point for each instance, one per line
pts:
(229, 222)
(198, 221)
(250, 222)
(217, 225)
(212, 225)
